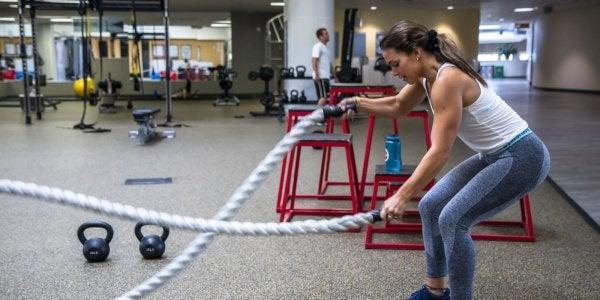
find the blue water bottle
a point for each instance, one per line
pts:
(393, 156)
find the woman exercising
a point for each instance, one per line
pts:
(511, 159)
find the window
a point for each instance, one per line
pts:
(158, 51)
(173, 51)
(186, 52)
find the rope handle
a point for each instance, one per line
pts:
(334, 111)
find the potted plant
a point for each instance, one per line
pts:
(507, 50)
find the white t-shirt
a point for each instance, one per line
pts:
(488, 124)
(321, 52)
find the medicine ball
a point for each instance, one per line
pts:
(78, 87)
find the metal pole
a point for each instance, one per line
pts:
(86, 71)
(23, 55)
(100, 43)
(36, 67)
(168, 98)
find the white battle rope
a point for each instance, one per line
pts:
(220, 222)
(129, 212)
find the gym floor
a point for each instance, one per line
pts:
(208, 160)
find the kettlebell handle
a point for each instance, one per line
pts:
(94, 224)
(140, 236)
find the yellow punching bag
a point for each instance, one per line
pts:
(78, 87)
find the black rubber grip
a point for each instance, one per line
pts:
(334, 111)
(376, 215)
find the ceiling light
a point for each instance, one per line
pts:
(223, 21)
(220, 25)
(9, 1)
(489, 27)
(7, 19)
(373, 7)
(61, 20)
(450, 7)
(524, 9)
(277, 3)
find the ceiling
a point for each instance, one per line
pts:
(492, 11)
(202, 12)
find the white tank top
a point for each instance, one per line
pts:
(488, 124)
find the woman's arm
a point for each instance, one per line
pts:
(447, 98)
(392, 106)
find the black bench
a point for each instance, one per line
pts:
(144, 117)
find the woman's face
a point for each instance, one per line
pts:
(404, 66)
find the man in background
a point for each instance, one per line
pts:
(322, 66)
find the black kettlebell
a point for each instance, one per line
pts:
(291, 72)
(300, 70)
(95, 249)
(294, 96)
(284, 73)
(284, 98)
(302, 98)
(151, 246)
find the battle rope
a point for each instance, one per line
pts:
(128, 212)
(220, 223)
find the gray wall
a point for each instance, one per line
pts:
(565, 50)
(248, 48)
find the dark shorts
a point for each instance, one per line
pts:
(322, 87)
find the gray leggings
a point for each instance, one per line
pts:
(472, 192)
